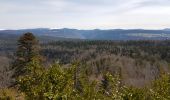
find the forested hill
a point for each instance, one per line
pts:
(97, 34)
(83, 69)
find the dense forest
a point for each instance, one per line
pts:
(84, 69)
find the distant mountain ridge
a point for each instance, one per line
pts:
(96, 34)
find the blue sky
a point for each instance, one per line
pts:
(85, 14)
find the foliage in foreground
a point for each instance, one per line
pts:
(161, 88)
(10, 94)
(58, 83)
(61, 83)
(27, 50)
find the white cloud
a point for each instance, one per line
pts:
(85, 13)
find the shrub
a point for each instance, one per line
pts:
(10, 94)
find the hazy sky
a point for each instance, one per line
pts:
(84, 14)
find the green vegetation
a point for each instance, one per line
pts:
(26, 51)
(89, 70)
(161, 88)
(10, 94)
(58, 83)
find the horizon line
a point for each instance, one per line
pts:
(86, 28)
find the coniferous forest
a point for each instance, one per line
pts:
(35, 69)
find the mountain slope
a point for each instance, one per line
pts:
(116, 34)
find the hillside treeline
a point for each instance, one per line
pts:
(84, 70)
(138, 62)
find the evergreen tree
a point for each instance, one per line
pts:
(27, 50)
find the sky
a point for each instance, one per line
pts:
(85, 14)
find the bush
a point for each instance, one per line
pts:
(10, 94)
(58, 83)
(161, 88)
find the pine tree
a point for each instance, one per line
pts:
(27, 50)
